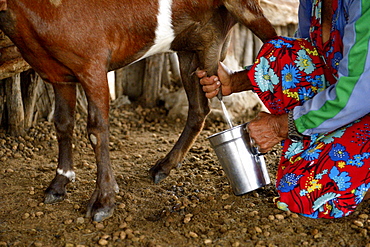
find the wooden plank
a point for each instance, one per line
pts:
(152, 80)
(4, 40)
(9, 53)
(30, 83)
(2, 101)
(14, 105)
(129, 80)
(13, 67)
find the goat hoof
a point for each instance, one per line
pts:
(53, 198)
(157, 173)
(103, 215)
(100, 214)
(157, 178)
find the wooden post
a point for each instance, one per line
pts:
(249, 49)
(257, 45)
(2, 101)
(14, 105)
(30, 82)
(128, 80)
(152, 80)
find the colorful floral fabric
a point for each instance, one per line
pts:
(326, 175)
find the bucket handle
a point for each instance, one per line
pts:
(253, 146)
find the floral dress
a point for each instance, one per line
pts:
(327, 174)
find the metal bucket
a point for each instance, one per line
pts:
(245, 168)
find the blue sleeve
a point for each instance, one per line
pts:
(304, 18)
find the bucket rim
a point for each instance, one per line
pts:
(227, 130)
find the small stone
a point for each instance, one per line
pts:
(103, 242)
(129, 218)
(208, 241)
(123, 225)
(236, 244)
(271, 217)
(187, 220)
(80, 220)
(25, 216)
(39, 214)
(225, 196)
(279, 216)
(358, 223)
(99, 226)
(193, 234)
(122, 235)
(258, 229)
(68, 222)
(363, 216)
(314, 232)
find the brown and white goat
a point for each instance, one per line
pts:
(79, 41)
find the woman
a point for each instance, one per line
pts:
(316, 89)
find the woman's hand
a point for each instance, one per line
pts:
(211, 85)
(228, 80)
(267, 130)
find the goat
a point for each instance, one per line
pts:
(79, 41)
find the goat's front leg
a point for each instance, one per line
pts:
(198, 110)
(65, 101)
(102, 201)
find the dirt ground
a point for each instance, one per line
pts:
(195, 206)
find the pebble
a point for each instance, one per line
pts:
(99, 226)
(68, 222)
(103, 242)
(258, 229)
(122, 235)
(80, 220)
(225, 196)
(123, 225)
(187, 218)
(25, 216)
(363, 216)
(193, 234)
(271, 217)
(39, 214)
(129, 218)
(358, 223)
(279, 216)
(208, 241)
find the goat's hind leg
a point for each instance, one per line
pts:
(65, 102)
(198, 110)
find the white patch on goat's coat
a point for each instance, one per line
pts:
(68, 174)
(164, 34)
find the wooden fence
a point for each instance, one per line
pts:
(25, 98)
